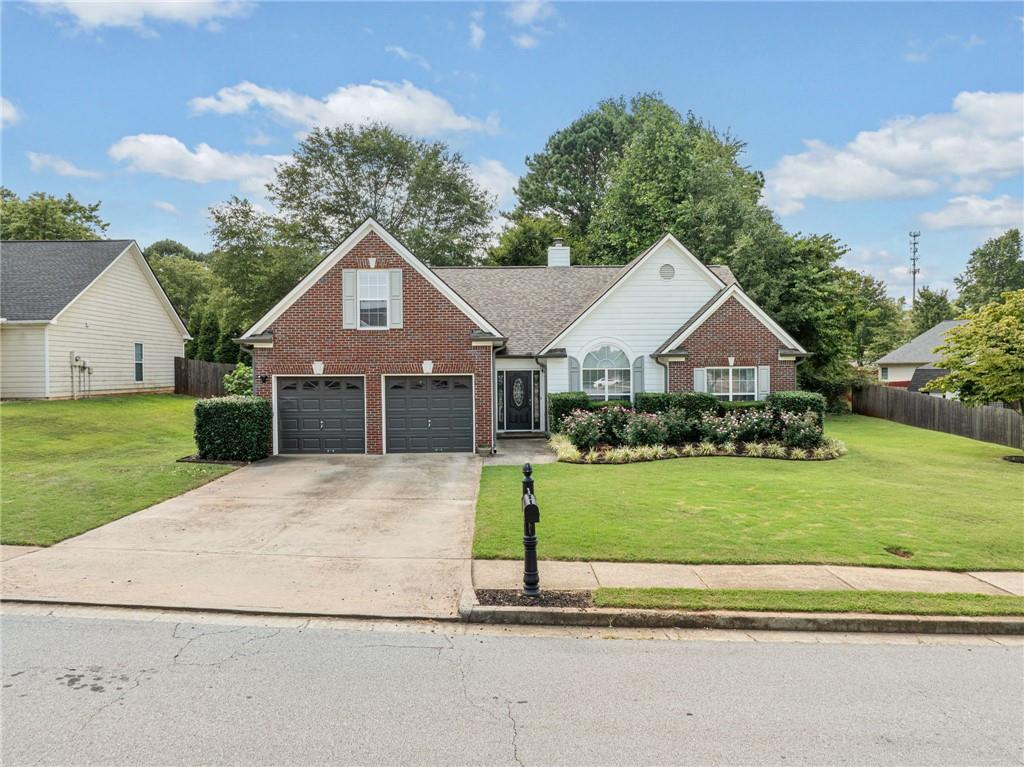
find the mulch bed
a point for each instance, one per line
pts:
(197, 459)
(515, 598)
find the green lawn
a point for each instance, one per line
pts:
(951, 502)
(67, 467)
(885, 602)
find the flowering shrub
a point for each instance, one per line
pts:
(679, 427)
(584, 428)
(644, 429)
(613, 419)
(800, 430)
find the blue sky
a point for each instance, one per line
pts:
(869, 120)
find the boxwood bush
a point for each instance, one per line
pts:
(694, 404)
(233, 428)
(797, 402)
(561, 404)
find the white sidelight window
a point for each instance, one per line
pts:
(373, 299)
(606, 374)
(139, 360)
(732, 384)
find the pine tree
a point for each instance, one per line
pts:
(227, 349)
(195, 324)
(209, 334)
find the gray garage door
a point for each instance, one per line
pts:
(320, 415)
(427, 414)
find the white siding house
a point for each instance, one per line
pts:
(83, 318)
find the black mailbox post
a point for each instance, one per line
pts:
(531, 516)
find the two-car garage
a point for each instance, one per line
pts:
(422, 414)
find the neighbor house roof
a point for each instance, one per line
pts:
(39, 278)
(920, 350)
(924, 375)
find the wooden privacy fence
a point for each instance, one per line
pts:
(199, 378)
(986, 423)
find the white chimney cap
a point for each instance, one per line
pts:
(558, 254)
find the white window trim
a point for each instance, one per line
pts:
(359, 299)
(883, 373)
(732, 394)
(140, 346)
(629, 371)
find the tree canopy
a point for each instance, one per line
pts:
(871, 318)
(985, 355)
(42, 216)
(930, 308)
(994, 268)
(421, 192)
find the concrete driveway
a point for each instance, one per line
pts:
(341, 535)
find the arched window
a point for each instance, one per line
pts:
(606, 374)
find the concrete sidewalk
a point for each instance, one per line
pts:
(508, 574)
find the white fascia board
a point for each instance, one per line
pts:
(5, 321)
(713, 279)
(734, 291)
(264, 322)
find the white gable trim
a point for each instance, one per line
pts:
(701, 267)
(264, 322)
(154, 283)
(734, 291)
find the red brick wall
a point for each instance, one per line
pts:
(433, 329)
(732, 331)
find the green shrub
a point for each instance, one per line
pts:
(744, 405)
(584, 428)
(693, 403)
(653, 402)
(797, 402)
(233, 428)
(239, 380)
(801, 430)
(680, 428)
(644, 429)
(613, 417)
(563, 403)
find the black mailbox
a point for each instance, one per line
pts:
(531, 511)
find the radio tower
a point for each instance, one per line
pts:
(914, 271)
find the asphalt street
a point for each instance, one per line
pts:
(134, 689)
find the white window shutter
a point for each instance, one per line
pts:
(764, 381)
(699, 380)
(349, 310)
(395, 309)
(638, 375)
(575, 384)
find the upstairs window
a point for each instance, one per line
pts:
(373, 299)
(606, 374)
(139, 363)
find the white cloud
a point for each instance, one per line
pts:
(167, 156)
(60, 166)
(9, 114)
(971, 211)
(525, 41)
(972, 146)
(167, 207)
(496, 179)
(93, 15)
(477, 33)
(401, 105)
(529, 12)
(405, 55)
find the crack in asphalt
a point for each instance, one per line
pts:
(515, 733)
(233, 655)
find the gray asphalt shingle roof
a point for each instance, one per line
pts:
(532, 304)
(39, 278)
(921, 349)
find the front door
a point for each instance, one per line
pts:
(518, 400)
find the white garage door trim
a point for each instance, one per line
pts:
(383, 401)
(273, 389)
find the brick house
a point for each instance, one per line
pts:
(375, 352)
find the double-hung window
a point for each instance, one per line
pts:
(732, 384)
(373, 299)
(606, 374)
(138, 362)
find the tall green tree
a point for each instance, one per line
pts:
(187, 282)
(227, 349)
(421, 192)
(209, 336)
(930, 308)
(985, 355)
(872, 320)
(676, 175)
(526, 241)
(41, 216)
(194, 325)
(569, 178)
(994, 268)
(162, 248)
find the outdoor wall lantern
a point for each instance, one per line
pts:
(428, 366)
(263, 378)
(318, 368)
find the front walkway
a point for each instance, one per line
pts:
(336, 535)
(555, 575)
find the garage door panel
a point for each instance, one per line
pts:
(321, 415)
(429, 414)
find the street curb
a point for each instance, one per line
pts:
(744, 621)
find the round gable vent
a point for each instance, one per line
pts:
(667, 271)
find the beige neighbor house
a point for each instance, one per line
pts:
(80, 318)
(914, 364)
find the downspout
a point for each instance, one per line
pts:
(494, 400)
(664, 365)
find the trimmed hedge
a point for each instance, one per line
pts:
(797, 402)
(693, 404)
(758, 404)
(233, 428)
(563, 403)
